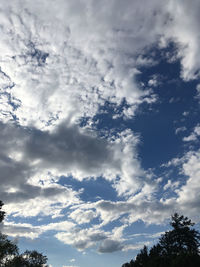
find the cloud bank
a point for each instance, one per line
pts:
(60, 65)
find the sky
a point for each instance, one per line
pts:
(99, 125)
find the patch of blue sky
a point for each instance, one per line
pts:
(104, 122)
(93, 189)
(157, 123)
(59, 255)
(139, 228)
(176, 180)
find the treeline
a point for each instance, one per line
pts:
(10, 256)
(176, 248)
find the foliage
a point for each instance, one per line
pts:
(2, 213)
(9, 252)
(28, 259)
(178, 247)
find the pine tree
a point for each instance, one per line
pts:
(181, 239)
(177, 247)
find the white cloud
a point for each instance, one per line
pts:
(61, 62)
(138, 207)
(186, 200)
(136, 246)
(20, 230)
(86, 58)
(191, 137)
(188, 194)
(171, 185)
(30, 231)
(47, 201)
(197, 130)
(186, 113)
(194, 135)
(82, 216)
(180, 129)
(82, 238)
(198, 92)
(63, 67)
(183, 28)
(38, 158)
(154, 81)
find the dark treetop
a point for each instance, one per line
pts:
(176, 248)
(9, 252)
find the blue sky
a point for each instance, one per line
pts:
(99, 125)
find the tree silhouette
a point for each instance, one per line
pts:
(182, 239)
(9, 252)
(2, 213)
(178, 247)
(28, 259)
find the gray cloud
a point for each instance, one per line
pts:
(27, 191)
(25, 230)
(26, 151)
(136, 208)
(68, 148)
(109, 246)
(66, 60)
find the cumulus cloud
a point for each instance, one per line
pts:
(70, 149)
(74, 68)
(186, 200)
(82, 216)
(36, 157)
(61, 63)
(46, 202)
(185, 20)
(188, 195)
(20, 230)
(108, 246)
(82, 238)
(30, 231)
(137, 207)
(85, 58)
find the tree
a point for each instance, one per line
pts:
(178, 247)
(9, 252)
(141, 258)
(7, 248)
(182, 239)
(2, 213)
(126, 264)
(28, 259)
